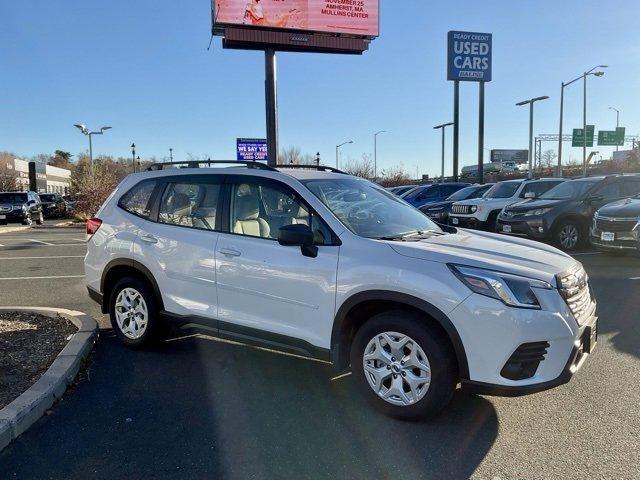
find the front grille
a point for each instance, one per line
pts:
(5, 209)
(615, 224)
(524, 362)
(464, 209)
(574, 288)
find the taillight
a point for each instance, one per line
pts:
(93, 224)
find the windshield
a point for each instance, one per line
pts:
(47, 197)
(367, 209)
(568, 190)
(13, 197)
(414, 192)
(466, 193)
(503, 190)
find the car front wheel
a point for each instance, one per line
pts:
(569, 235)
(403, 365)
(40, 219)
(133, 310)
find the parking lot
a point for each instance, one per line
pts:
(196, 407)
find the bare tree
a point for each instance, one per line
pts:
(547, 158)
(8, 175)
(360, 168)
(394, 176)
(293, 156)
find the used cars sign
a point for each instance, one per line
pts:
(469, 56)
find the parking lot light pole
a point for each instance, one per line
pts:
(584, 114)
(617, 120)
(338, 149)
(133, 156)
(442, 128)
(375, 153)
(171, 154)
(530, 103)
(85, 131)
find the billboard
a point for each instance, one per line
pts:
(469, 56)
(251, 149)
(353, 17)
(518, 156)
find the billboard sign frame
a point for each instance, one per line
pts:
(469, 56)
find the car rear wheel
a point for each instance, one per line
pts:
(40, 219)
(133, 309)
(569, 235)
(403, 365)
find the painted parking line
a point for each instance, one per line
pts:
(52, 277)
(340, 376)
(42, 257)
(40, 242)
(50, 245)
(634, 278)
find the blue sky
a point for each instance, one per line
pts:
(142, 67)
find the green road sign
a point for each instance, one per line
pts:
(611, 138)
(578, 136)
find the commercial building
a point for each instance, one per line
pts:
(41, 178)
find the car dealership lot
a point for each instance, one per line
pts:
(196, 407)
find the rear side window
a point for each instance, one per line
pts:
(631, 187)
(190, 204)
(138, 200)
(611, 191)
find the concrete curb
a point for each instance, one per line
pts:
(62, 225)
(25, 410)
(17, 228)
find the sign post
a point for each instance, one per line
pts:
(469, 60)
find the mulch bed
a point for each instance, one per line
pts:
(29, 343)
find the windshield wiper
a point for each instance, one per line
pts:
(417, 235)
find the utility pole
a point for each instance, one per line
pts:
(443, 128)
(133, 155)
(375, 153)
(530, 103)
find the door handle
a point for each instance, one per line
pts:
(146, 238)
(230, 252)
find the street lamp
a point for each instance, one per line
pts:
(617, 120)
(443, 128)
(85, 131)
(584, 75)
(133, 156)
(530, 103)
(338, 148)
(171, 154)
(318, 159)
(375, 153)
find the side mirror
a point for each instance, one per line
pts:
(31, 202)
(298, 236)
(530, 195)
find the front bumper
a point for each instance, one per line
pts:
(621, 241)
(492, 332)
(534, 227)
(465, 222)
(15, 215)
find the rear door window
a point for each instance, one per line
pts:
(631, 187)
(191, 204)
(611, 191)
(137, 201)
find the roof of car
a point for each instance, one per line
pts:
(297, 173)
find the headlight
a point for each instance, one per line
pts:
(473, 209)
(512, 290)
(24, 208)
(539, 211)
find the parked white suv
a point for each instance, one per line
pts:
(482, 213)
(331, 266)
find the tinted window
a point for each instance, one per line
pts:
(538, 188)
(631, 187)
(190, 204)
(430, 192)
(569, 189)
(48, 197)
(13, 197)
(138, 200)
(503, 190)
(261, 209)
(610, 191)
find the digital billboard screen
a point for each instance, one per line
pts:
(355, 17)
(251, 149)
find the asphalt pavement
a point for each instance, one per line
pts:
(196, 407)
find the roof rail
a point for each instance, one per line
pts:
(197, 163)
(322, 168)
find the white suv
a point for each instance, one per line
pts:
(331, 266)
(482, 213)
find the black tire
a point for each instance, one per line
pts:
(566, 229)
(27, 220)
(442, 362)
(40, 219)
(492, 222)
(155, 328)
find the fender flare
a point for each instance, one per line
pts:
(339, 350)
(134, 265)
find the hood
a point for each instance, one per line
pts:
(492, 251)
(536, 204)
(438, 205)
(629, 207)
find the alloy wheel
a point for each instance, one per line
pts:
(132, 314)
(397, 368)
(569, 236)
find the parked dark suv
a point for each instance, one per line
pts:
(24, 207)
(53, 205)
(616, 226)
(432, 193)
(564, 213)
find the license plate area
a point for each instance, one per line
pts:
(607, 236)
(455, 221)
(506, 228)
(3, 217)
